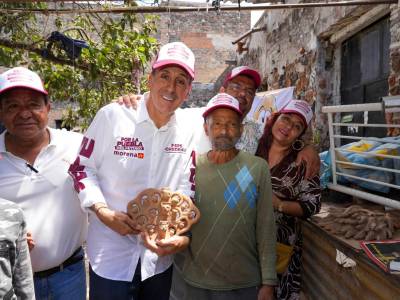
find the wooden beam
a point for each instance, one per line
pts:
(363, 21)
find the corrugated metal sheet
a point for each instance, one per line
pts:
(324, 278)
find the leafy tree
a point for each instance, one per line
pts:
(119, 48)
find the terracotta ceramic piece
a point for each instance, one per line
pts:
(163, 213)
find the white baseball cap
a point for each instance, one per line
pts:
(222, 100)
(176, 53)
(244, 70)
(23, 78)
(301, 108)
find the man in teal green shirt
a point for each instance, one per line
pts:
(232, 249)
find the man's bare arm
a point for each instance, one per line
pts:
(311, 157)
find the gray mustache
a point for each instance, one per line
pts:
(223, 137)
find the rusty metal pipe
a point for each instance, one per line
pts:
(174, 9)
(247, 33)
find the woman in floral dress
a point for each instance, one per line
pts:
(295, 197)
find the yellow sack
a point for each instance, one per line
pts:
(283, 255)
(386, 151)
(361, 146)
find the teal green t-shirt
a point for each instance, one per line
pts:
(233, 244)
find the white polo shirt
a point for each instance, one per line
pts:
(47, 198)
(122, 154)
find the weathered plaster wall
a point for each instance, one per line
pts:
(301, 48)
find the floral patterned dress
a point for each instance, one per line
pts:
(289, 184)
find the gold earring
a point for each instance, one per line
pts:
(298, 145)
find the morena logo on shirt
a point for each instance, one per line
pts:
(129, 146)
(129, 143)
(175, 148)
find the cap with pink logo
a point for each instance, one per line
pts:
(301, 108)
(176, 53)
(222, 100)
(243, 70)
(21, 77)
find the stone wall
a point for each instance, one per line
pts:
(394, 77)
(201, 93)
(56, 113)
(301, 48)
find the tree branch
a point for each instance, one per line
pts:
(50, 57)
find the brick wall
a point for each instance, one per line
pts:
(210, 36)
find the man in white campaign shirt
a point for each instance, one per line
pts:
(123, 153)
(34, 162)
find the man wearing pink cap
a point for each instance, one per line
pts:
(34, 162)
(123, 153)
(232, 250)
(242, 83)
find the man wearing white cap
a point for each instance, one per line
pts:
(232, 250)
(123, 153)
(34, 162)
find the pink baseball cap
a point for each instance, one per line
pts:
(243, 70)
(222, 100)
(176, 53)
(21, 77)
(300, 108)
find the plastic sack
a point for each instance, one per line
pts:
(370, 160)
(325, 171)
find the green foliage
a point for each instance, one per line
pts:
(120, 46)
